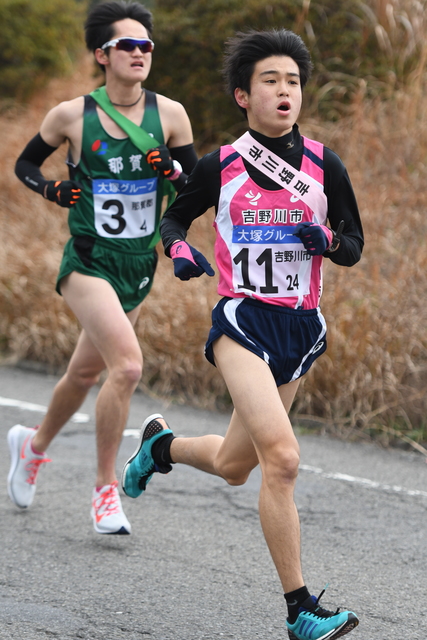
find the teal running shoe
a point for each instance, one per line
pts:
(140, 467)
(316, 623)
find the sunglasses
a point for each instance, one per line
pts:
(128, 44)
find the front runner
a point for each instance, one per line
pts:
(273, 191)
(115, 196)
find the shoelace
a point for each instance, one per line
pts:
(109, 500)
(33, 467)
(320, 611)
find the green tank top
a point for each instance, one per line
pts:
(121, 198)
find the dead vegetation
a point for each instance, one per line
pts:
(372, 379)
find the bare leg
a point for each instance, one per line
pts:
(232, 457)
(261, 409)
(108, 340)
(260, 431)
(70, 392)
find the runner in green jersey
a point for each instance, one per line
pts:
(119, 207)
(119, 174)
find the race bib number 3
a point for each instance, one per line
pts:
(125, 208)
(270, 262)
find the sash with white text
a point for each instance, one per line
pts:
(299, 184)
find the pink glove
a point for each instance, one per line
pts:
(188, 262)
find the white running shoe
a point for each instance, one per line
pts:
(25, 465)
(107, 512)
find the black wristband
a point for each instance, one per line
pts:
(336, 238)
(180, 181)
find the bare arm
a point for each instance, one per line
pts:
(179, 143)
(60, 124)
(65, 122)
(175, 122)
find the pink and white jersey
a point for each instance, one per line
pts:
(256, 253)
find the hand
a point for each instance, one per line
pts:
(63, 192)
(188, 262)
(316, 238)
(160, 159)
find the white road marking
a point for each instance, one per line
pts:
(135, 433)
(364, 482)
(131, 433)
(38, 408)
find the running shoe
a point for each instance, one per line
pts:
(140, 467)
(316, 623)
(107, 512)
(25, 465)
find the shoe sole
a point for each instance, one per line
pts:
(14, 448)
(154, 416)
(348, 626)
(121, 532)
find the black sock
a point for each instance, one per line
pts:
(294, 600)
(161, 450)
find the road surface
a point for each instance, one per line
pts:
(196, 566)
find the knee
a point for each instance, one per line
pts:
(234, 474)
(83, 378)
(127, 373)
(281, 466)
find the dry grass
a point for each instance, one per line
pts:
(373, 375)
(372, 379)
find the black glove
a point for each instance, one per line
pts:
(63, 192)
(160, 159)
(188, 262)
(316, 238)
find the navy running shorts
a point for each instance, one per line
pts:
(288, 340)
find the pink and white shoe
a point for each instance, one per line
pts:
(25, 465)
(107, 512)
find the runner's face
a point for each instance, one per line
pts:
(133, 66)
(275, 100)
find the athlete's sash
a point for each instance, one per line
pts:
(301, 185)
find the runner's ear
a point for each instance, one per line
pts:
(241, 98)
(101, 56)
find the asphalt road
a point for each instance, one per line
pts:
(196, 566)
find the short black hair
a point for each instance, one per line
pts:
(100, 20)
(245, 49)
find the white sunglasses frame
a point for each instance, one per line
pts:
(112, 43)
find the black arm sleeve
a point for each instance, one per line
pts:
(28, 165)
(187, 158)
(342, 205)
(199, 194)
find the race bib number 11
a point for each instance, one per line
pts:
(270, 261)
